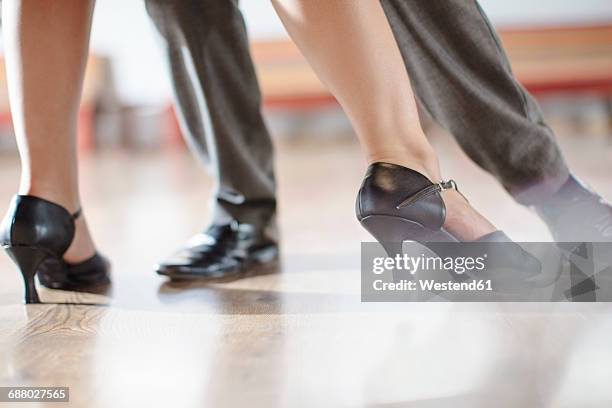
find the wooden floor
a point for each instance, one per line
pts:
(299, 337)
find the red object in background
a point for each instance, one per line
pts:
(562, 59)
(545, 60)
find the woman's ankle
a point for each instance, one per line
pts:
(63, 197)
(462, 220)
(427, 167)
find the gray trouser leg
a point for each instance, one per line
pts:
(219, 103)
(462, 76)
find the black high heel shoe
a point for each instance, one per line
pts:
(397, 204)
(36, 234)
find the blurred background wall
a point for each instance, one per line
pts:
(127, 36)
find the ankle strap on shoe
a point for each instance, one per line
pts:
(429, 190)
(77, 214)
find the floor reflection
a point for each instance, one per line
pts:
(300, 336)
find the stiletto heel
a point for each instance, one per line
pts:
(392, 231)
(36, 233)
(28, 259)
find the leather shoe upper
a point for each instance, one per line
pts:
(220, 250)
(387, 185)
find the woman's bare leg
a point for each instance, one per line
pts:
(46, 48)
(351, 47)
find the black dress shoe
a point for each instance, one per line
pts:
(222, 251)
(577, 214)
(36, 233)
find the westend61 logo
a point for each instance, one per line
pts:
(486, 272)
(404, 263)
(411, 264)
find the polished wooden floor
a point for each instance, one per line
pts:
(299, 337)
